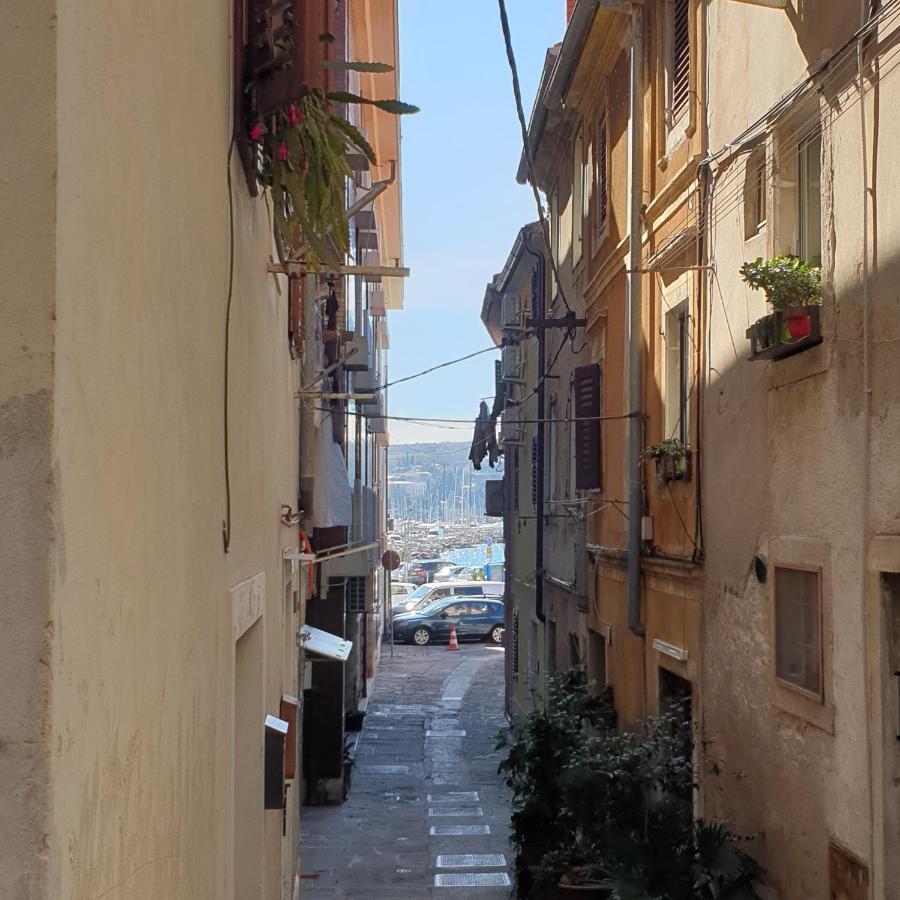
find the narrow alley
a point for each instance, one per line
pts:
(427, 809)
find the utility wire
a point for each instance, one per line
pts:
(526, 150)
(443, 365)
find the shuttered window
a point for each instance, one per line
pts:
(601, 175)
(355, 593)
(680, 72)
(586, 387)
(515, 642)
(534, 473)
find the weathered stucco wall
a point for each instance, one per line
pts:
(784, 471)
(27, 480)
(143, 654)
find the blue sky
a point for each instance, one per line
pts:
(462, 206)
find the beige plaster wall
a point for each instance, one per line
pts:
(142, 666)
(27, 479)
(784, 446)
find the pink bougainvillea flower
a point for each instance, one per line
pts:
(282, 152)
(256, 131)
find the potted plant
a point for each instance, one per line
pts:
(537, 752)
(793, 289)
(673, 460)
(300, 153)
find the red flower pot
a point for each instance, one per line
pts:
(798, 326)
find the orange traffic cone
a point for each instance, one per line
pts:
(454, 644)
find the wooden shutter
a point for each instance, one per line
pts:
(681, 57)
(534, 473)
(602, 189)
(587, 427)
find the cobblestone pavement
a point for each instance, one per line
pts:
(427, 813)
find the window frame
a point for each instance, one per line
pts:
(819, 694)
(680, 309)
(812, 137)
(805, 553)
(579, 184)
(676, 127)
(601, 174)
(756, 189)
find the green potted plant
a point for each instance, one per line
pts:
(673, 459)
(793, 289)
(301, 151)
(537, 752)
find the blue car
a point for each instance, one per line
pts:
(476, 619)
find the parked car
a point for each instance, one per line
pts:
(425, 594)
(421, 571)
(451, 573)
(475, 618)
(400, 590)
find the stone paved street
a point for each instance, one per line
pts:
(425, 787)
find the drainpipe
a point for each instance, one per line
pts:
(538, 313)
(635, 329)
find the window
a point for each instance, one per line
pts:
(679, 60)
(809, 198)
(798, 628)
(587, 390)
(578, 195)
(755, 193)
(515, 642)
(677, 372)
(600, 175)
(551, 647)
(455, 609)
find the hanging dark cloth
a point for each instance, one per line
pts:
(484, 441)
(499, 392)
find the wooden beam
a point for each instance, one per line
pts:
(302, 268)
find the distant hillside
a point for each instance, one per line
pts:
(435, 482)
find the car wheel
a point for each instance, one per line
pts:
(421, 637)
(496, 634)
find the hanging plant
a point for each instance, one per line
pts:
(303, 161)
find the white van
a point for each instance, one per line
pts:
(427, 593)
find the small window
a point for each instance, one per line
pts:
(809, 198)
(755, 184)
(679, 60)
(601, 175)
(551, 647)
(798, 628)
(677, 373)
(588, 391)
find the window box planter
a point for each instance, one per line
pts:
(670, 467)
(785, 333)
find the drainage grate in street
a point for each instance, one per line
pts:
(384, 770)
(471, 861)
(448, 830)
(450, 733)
(473, 879)
(454, 797)
(455, 811)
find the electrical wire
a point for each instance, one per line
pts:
(443, 365)
(526, 150)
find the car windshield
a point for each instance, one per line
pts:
(418, 593)
(429, 609)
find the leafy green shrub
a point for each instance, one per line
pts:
(786, 280)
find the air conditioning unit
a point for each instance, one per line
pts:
(511, 313)
(364, 381)
(511, 433)
(356, 349)
(511, 366)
